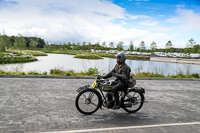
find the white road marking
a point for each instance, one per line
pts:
(130, 127)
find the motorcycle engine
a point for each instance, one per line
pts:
(109, 100)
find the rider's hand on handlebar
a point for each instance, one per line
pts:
(98, 76)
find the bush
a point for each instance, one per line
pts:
(70, 73)
(57, 71)
(88, 56)
(9, 73)
(33, 73)
(195, 75)
(92, 71)
(44, 73)
(2, 72)
(22, 73)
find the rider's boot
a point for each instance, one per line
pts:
(116, 106)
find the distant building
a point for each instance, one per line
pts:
(161, 54)
(127, 52)
(195, 56)
(113, 51)
(136, 53)
(92, 50)
(143, 53)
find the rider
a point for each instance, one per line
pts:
(122, 73)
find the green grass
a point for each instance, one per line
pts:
(60, 72)
(70, 52)
(55, 72)
(108, 55)
(87, 56)
(15, 58)
(94, 71)
(134, 57)
(30, 52)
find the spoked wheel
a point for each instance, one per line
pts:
(133, 102)
(87, 101)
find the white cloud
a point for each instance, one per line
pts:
(189, 18)
(137, 16)
(180, 6)
(149, 23)
(142, 0)
(76, 21)
(173, 20)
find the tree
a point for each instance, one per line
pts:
(191, 43)
(104, 44)
(168, 44)
(131, 46)
(195, 49)
(4, 42)
(120, 46)
(153, 46)
(64, 46)
(111, 45)
(142, 46)
(69, 45)
(73, 46)
(78, 47)
(40, 43)
(20, 42)
(33, 44)
(90, 46)
(83, 46)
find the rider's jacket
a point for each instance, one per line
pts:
(121, 72)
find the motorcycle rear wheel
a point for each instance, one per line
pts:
(133, 102)
(88, 101)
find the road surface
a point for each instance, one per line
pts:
(30, 105)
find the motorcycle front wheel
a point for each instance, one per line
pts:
(88, 101)
(133, 102)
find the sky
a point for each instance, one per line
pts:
(62, 21)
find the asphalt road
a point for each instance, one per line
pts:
(47, 105)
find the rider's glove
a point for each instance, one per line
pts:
(104, 77)
(99, 76)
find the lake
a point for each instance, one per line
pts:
(67, 62)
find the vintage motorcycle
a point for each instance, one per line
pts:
(99, 94)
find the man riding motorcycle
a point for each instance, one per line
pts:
(122, 73)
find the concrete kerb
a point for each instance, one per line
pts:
(90, 77)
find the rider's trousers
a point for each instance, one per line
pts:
(119, 87)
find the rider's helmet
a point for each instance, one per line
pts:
(122, 57)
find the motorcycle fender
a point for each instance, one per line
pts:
(83, 88)
(138, 89)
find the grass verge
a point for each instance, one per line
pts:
(94, 71)
(6, 58)
(30, 52)
(88, 56)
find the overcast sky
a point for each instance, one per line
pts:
(59, 21)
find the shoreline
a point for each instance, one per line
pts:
(176, 60)
(91, 77)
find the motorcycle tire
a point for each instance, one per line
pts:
(90, 100)
(133, 101)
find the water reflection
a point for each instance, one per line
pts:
(67, 62)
